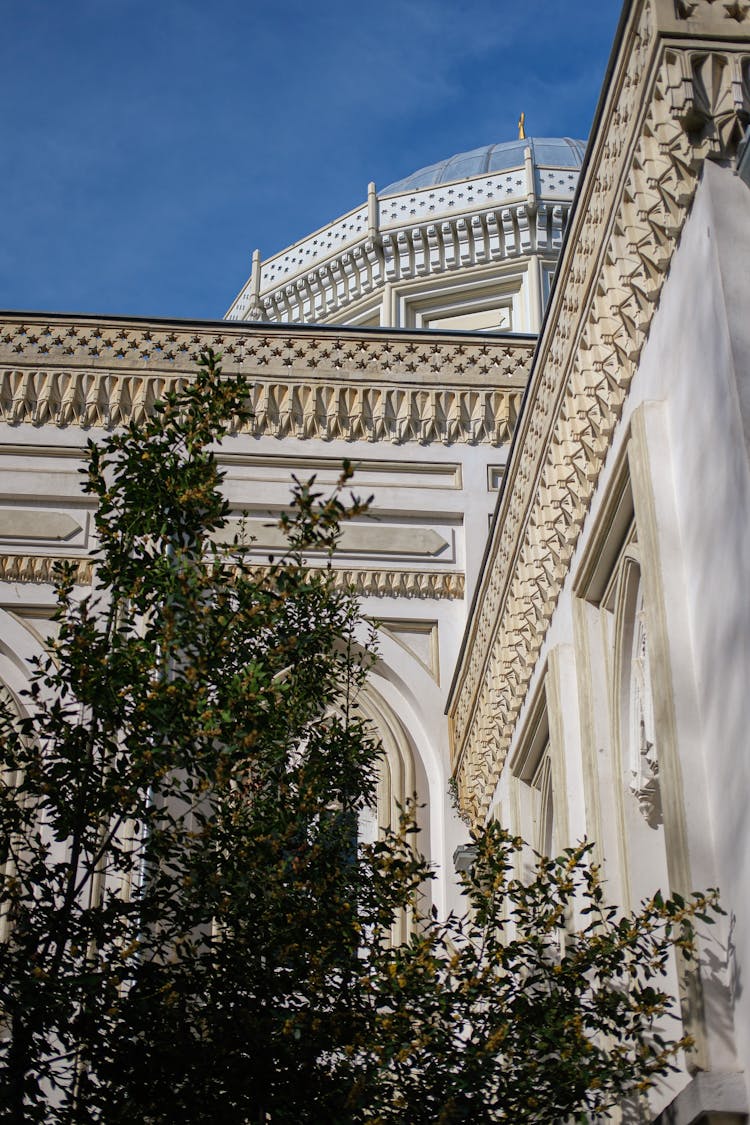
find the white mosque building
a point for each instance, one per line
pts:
(537, 354)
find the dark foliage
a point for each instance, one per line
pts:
(190, 930)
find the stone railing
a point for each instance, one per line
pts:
(430, 230)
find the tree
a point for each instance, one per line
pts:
(192, 930)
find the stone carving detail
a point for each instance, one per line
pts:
(350, 387)
(644, 762)
(440, 585)
(320, 245)
(453, 242)
(558, 182)
(709, 94)
(736, 10)
(40, 569)
(611, 280)
(444, 585)
(442, 199)
(413, 234)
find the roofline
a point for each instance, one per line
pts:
(264, 326)
(603, 93)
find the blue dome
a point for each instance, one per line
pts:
(547, 152)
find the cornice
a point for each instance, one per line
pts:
(448, 585)
(703, 17)
(405, 387)
(671, 104)
(445, 585)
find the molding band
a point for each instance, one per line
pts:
(441, 585)
(324, 385)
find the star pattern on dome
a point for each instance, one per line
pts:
(554, 152)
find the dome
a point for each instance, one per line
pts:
(554, 152)
(394, 260)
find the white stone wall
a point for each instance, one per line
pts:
(681, 447)
(432, 417)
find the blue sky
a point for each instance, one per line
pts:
(149, 145)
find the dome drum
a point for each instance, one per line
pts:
(513, 203)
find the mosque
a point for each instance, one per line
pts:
(537, 354)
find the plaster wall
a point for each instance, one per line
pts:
(697, 362)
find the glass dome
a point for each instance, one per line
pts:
(547, 152)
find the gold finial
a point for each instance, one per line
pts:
(522, 127)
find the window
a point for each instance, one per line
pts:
(621, 743)
(531, 768)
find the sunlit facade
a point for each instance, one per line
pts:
(537, 356)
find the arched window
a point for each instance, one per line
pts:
(644, 762)
(634, 733)
(532, 768)
(396, 782)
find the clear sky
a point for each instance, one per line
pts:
(148, 146)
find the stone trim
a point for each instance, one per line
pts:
(711, 1098)
(670, 106)
(440, 389)
(445, 585)
(40, 569)
(725, 13)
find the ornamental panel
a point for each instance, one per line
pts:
(328, 385)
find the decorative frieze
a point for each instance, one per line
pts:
(447, 585)
(736, 10)
(669, 110)
(40, 569)
(358, 386)
(369, 582)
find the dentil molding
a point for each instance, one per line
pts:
(367, 582)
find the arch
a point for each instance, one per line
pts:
(398, 781)
(417, 702)
(18, 651)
